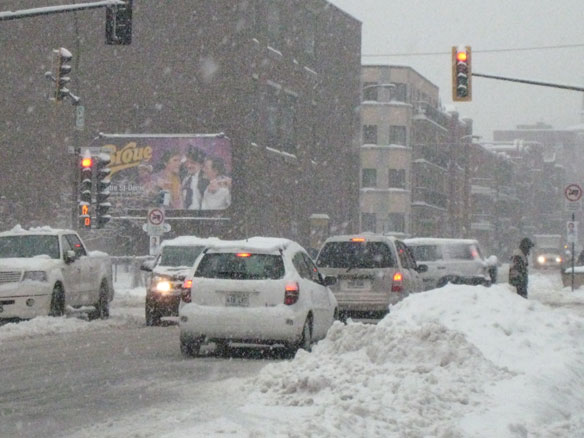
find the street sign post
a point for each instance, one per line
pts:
(573, 194)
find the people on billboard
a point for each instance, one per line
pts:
(168, 178)
(217, 195)
(194, 183)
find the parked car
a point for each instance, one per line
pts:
(457, 261)
(45, 270)
(261, 291)
(169, 269)
(373, 272)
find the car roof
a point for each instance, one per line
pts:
(189, 241)
(257, 244)
(437, 241)
(367, 236)
(46, 230)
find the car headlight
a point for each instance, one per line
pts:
(558, 260)
(163, 286)
(541, 260)
(35, 276)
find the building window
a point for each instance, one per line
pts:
(274, 24)
(273, 118)
(397, 178)
(369, 134)
(309, 23)
(370, 91)
(398, 135)
(368, 222)
(369, 178)
(396, 222)
(288, 123)
(400, 92)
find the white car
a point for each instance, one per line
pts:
(457, 261)
(261, 291)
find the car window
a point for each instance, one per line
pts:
(76, 245)
(241, 266)
(29, 246)
(300, 264)
(404, 256)
(426, 253)
(180, 255)
(364, 255)
(460, 251)
(314, 274)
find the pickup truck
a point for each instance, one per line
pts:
(168, 271)
(43, 270)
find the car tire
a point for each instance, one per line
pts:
(305, 342)
(152, 317)
(57, 301)
(102, 306)
(190, 347)
(442, 282)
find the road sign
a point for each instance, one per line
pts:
(80, 117)
(156, 216)
(572, 232)
(573, 192)
(155, 225)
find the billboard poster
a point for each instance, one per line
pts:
(180, 172)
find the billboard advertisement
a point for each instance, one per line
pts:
(178, 171)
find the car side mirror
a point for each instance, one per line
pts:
(422, 268)
(147, 266)
(329, 280)
(70, 256)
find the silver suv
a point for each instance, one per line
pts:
(372, 271)
(457, 261)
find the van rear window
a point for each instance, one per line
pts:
(363, 255)
(232, 266)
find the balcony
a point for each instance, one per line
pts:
(431, 154)
(425, 111)
(426, 197)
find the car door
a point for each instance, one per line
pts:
(321, 298)
(71, 275)
(306, 284)
(411, 278)
(88, 291)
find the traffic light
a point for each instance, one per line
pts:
(62, 78)
(102, 192)
(85, 191)
(118, 24)
(461, 74)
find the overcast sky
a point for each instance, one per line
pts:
(428, 26)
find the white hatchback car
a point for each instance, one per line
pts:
(261, 291)
(457, 261)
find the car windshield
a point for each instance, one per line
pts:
(426, 253)
(29, 246)
(365, 255)
(180, 255)
(241, 267)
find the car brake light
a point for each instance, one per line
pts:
(291, 294)
(396, 286)
(243, 254)
(358, 239)
(185, 293)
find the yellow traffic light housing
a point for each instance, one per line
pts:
(461, 74)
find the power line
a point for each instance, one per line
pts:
(519, 49)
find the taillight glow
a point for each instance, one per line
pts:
(396, 286)
(291, 294)
(243, 254)
(185, 294)
(358, 239)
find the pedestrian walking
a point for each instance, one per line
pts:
(518, 268)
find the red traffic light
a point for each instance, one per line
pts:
(86, 162)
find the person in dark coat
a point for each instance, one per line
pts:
(518, 269)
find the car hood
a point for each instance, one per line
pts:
(171, 271)
(39, 263)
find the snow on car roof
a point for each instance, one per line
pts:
(189, 241)
(366, 235)
(253, 244)
(436, 240)
(34, 230)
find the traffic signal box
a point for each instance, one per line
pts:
(102, 192)
(85, 183)
(461, 74)
(62, 78)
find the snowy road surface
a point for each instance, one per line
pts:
(455, 362)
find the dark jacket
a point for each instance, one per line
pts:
(518, 269)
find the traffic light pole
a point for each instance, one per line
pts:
(525, 81)
(50, 10)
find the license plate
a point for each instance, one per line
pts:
(357, 283)
(237, 300)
